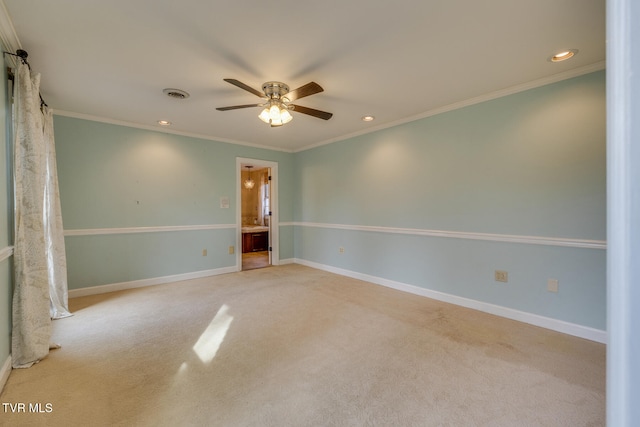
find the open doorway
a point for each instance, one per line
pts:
(257, 220)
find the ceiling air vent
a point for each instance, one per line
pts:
(175, 93)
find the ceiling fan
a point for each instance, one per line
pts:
(278, 104)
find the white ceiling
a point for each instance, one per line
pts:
(395, 60)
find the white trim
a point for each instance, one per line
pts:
(158, 229)
(6, 253)
(157, 128)
(113, 287)
(521, 316)
(623, 213)
(8, 34)
(531, 240)
(10, 41)
(456, 105)
(4, 372)
(472, 101)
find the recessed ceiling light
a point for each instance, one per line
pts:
(164, 123)
(564, 55)
(368, 118)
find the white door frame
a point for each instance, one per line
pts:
(623, 213)
(273, 235)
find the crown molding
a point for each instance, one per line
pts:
(8, 35)
(116, 122)
(11, 42)
(555, 78)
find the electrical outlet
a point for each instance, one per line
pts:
(552, 285)
(341, 249)
(232, 250)
(204, 252)
(501, 276)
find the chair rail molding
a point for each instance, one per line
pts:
(134, 230)
(506, 238)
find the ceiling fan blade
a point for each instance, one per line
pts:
(235, 107)
(245, 87)
(312, 112)
(306, 90)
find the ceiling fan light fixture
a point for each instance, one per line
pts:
(275, 114)
(276, 110)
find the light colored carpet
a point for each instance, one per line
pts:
(295, 346)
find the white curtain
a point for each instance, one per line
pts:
(54, 231)
(40, 292)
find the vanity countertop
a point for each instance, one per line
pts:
(254, 228)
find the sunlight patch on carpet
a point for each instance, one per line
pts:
(211, 339)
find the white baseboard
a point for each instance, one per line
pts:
(5, 253)
(585, 332)
(113, 287)
(4, 372)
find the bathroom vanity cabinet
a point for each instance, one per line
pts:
(255, 241)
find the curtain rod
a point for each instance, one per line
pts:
(23, 55)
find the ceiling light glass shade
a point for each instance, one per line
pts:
(276, 114)
(249, 183)
(264, 116)
(286, 116)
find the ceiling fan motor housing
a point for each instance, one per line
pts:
(275, 90)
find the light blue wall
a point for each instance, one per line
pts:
(6, 229)
(528, 164)
(121, 177)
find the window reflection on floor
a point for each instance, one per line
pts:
(210, 340)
